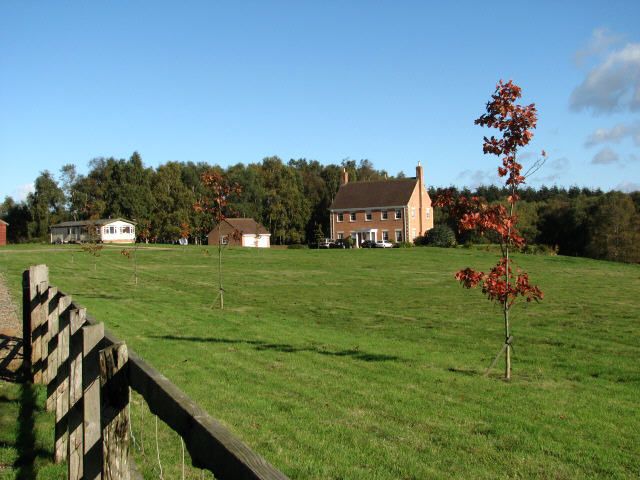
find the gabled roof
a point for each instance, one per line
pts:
(247, 226)
(383, 193)
(99, 222)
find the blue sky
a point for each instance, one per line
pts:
(394, 82)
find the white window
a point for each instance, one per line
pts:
(224, 240)
(340, 235)
(413, 212)
(384, 215)
(428, 213)
(368, 216)
(385, 235)
(352, 217)
(340, 217)
(413, 233)
(125, 229)
(398, 235)
(398, 213)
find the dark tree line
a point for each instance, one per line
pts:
(292, 200)
(575, 221)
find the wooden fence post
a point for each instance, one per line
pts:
(35, 318)
(92, 335)
(26, 326)
(115, 404)
(58, 387)
(77, 318)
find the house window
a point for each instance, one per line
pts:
(385, 235)
(340, 217)
(428, 213)
(352, 217)
(413, 233)
(384, 215)
(413, 212)
(340, 235)
(224, 240)
(368, 216)
(125, 229)
(113, 230)
(398, 235)
(398, 213)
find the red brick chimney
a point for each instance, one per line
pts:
(420, 195)
(344, 177)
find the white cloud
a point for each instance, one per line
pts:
(628, 187)
(20, 193)
(551, 171)
(601, 40)
(476, 178)
(606, 156)
(613, 85)
(614, 134)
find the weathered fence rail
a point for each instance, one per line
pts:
(88, 372)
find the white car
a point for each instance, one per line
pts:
(383, 244)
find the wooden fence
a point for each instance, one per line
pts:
(88, 373)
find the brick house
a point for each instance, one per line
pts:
(3, 232)
(249, 233)
(394, 210)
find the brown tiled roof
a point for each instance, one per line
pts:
(246, 225)
(384, 193)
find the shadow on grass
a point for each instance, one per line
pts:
(25, 464)
(10, 358)
(287, 348)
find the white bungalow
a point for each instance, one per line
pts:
(111, 230)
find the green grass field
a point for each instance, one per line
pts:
(367, 364)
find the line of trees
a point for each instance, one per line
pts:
(575, 221)
(292, 199)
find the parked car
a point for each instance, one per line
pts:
(383, 244)
(367, 244)
(339, 243)
(326, 243)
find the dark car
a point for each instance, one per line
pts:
(368, 244)
(340, 243)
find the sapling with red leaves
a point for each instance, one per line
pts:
(215, 203)
(501, 284)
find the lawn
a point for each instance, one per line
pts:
(367, 364)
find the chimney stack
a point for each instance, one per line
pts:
(421, 194)
(344, 177)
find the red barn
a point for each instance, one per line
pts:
(3, 232)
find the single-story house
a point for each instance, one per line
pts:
(3, 232)
(107, 230)
(244, 232)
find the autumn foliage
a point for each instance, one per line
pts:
(219, 191)
(500, 284)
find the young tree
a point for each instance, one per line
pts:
(215, 203)
(501, 284)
